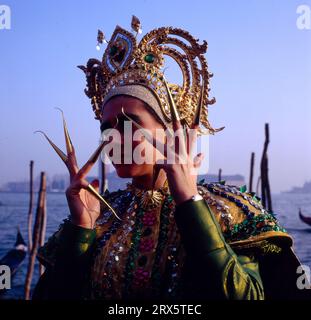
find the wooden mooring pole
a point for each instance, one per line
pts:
(36, 234)
(42, 232)
(31, 196)
(219, 175)
(251, 175)
(264, 173)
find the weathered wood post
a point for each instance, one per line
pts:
(31, 196)
(251, 175)
(42, 231)
(36, 235)
(264, 170)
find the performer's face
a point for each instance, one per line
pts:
(138, 111)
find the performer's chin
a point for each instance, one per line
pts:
(125, 170)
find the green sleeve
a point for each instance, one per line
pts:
(237, 277)
(66, 257)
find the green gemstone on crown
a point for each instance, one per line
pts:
(149, 58)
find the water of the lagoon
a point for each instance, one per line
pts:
(13, 213)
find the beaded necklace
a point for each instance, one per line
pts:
(143, 249)
(253, 224)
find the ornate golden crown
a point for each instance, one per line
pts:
(127, 62)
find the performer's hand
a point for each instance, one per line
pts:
(180, 168)
(83, 197)
(182, 172)
(84, 207)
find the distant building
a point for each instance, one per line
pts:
(60, 182)
(235, 180)
(23, 186)
(306, 188)
(18, 186)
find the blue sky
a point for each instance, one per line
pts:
(260, 60)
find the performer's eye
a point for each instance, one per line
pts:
(119, 124)
(122, 119)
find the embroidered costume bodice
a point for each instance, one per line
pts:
(141, 255)
(208, 249)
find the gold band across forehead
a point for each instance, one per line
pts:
(142, 93)
(127, 62)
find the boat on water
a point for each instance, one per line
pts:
(14, 257)
(305, 219)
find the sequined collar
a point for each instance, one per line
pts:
(149, 199)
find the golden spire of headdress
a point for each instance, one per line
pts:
(127, 62)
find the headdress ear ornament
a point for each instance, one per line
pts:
(127, 62)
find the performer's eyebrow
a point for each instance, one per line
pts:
(121, 118)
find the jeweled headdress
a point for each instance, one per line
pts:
(127, 62)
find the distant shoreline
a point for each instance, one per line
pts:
(27, 192)
(63, 192)
(296, 192)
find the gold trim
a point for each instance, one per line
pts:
(276, 237)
